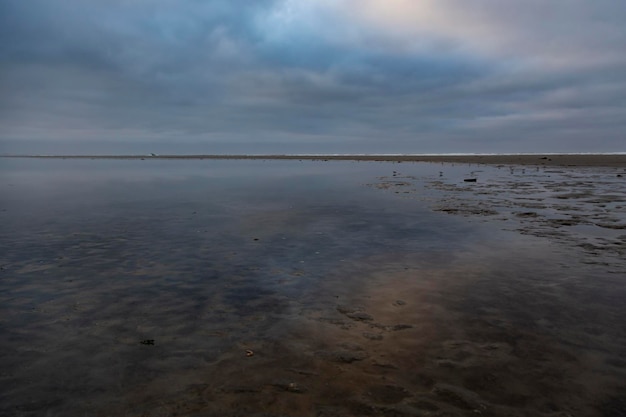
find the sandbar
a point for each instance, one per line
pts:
(580, 160)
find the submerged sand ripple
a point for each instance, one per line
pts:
(360, 304)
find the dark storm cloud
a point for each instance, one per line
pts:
(369, 76)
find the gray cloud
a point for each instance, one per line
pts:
(297, 75)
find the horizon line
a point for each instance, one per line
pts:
(298, 155)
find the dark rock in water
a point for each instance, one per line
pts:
(385, 365)
(360, 316)
(147, 342)
(401, 327)
(398, 303)
(527, 214)
(290, 387)
(391, 328)
(470, 179)
(342, 356)
(295, 388)
(563, 222)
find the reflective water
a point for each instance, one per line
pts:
(201, 288)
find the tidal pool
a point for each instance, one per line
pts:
(297, 288)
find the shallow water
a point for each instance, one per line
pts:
(202, 288)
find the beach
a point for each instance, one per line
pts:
(298, 285)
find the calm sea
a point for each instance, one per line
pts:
(206, 287)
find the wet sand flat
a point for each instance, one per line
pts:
(598, 160)
(311, 288)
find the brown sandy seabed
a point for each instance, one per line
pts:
(408, 347)
(399, 349)
(422, 347)
(607, 160)
(582, 211)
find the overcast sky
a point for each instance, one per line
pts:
(322, 76)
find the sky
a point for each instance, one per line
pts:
(305, 76)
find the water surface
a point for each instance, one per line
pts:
(158, 288)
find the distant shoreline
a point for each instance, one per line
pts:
(598, 160)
